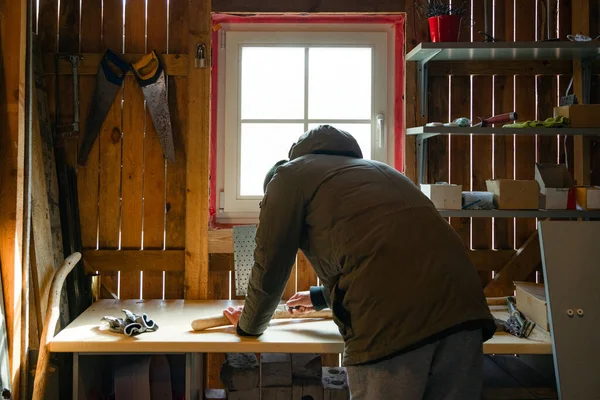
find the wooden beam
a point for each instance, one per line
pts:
(490, 260)
(580, 21)
(220, 241)
(532, 68)
(175, 64)
(522, 264)
(135, 260)
(12, 151)
(197, 155)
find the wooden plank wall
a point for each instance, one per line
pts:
(129, 198)
(12, 151)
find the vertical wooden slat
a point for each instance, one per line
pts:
(580, 21)
(110, 148)
(12, 108)
(176, 189)
(503, 103)
(154, 165)
(87, 175)
(197, 150)
(437, 147)
(460, 151)
(482, 164)
(564, 18)
(546, 87)
(176, 172)
(416, 32)
(438, 169)
(68, 33)
(133, 144)
(306, 274)
(526, 105)
(481, 146)
(48, 25)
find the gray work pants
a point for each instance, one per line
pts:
(449, 369)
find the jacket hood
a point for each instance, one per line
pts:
(326, 139)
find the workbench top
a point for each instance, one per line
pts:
(87, 334)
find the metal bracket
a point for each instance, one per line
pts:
(423, 82)
(70, 130)
(422, 155)
(586, 79)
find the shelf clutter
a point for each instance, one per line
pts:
(553, 194)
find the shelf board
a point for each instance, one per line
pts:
(432, 131)
(466, 51)
(520, 213)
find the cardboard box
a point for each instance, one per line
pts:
(588, 197)
(444, 196)
(580, 115)
(514, 195)
(555, 183)
(531, 301)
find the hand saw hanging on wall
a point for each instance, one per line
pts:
(109, 78)
(150, 75)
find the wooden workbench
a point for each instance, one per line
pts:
(87, 337)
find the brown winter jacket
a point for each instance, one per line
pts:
(395, 273)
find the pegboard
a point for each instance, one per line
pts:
(243, 256)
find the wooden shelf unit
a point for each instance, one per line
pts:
(425, 132)
(424, 53)
(542, 214)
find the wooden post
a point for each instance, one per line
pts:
(580, 20)
(12, 134)
(197, 154)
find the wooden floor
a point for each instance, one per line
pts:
(509, 378)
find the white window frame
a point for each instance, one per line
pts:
(232, 208)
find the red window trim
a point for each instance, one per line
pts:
(397, 20)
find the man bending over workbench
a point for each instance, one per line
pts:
(403, 292)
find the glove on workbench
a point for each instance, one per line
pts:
(132, 325)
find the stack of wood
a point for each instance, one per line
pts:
(281, 376)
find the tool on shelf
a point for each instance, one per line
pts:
(497, 119)
(517, 324)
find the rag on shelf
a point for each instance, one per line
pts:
(555, 122)
(132, 325)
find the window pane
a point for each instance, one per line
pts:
(360, 132)
(262, 146)
(272, 83)
(339, 83)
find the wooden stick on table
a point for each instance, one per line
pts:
(213, 321)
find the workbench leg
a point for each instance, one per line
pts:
(75, 376)
(194, 376)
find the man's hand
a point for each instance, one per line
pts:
(302, 301)
(233, 314)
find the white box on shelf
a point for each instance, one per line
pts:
(444, 196)
(555, 183)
